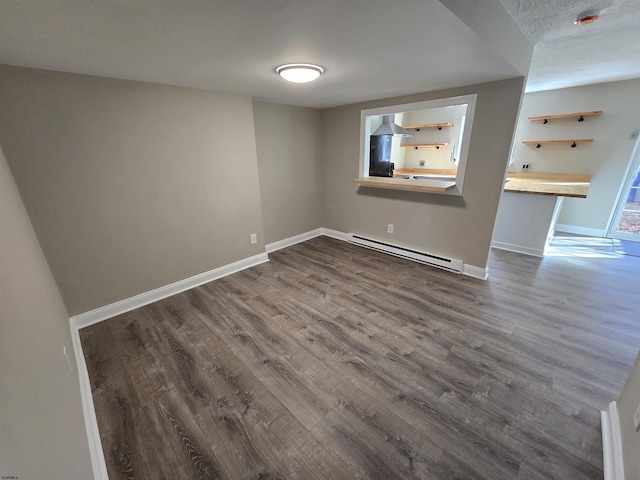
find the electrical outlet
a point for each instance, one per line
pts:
(525, 166)
(422, 163)
(390, 228)
(636, 419)
(254, 238)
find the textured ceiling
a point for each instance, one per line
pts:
(567, 55)
(370, 48)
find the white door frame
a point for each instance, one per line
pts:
(614, 219)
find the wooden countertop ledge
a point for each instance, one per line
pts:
(555, 184)
(405, 184)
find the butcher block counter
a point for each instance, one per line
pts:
(432, 180)
(525, 223)
(395, 183)
(554, 184)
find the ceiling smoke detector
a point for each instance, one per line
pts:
(587, 18)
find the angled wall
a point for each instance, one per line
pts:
(130, 186)
(288, 140)
(43, 433)
(491, 22)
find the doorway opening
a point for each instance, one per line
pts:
(625, 220)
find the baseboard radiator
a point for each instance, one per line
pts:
(450, 264)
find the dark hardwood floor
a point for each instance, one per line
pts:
(333, 361)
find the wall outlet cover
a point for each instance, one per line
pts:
(390, 228)
(254, 238)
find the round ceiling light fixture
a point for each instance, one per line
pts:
(299, 72)
(587, 18)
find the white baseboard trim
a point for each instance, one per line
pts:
(91, 317)
(94, 316)
(536, 252)
(475, 272)
(612, 443)
(287, 242)
(587, 232)
(303, 237)
(327, 232)
(99, 314)
(90, 420)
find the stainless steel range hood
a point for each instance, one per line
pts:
(390, 128)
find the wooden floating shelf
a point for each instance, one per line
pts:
(424, 145)
(572, 143)
(579, 115)
(425, 171)
(429, 125)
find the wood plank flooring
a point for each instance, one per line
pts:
(333, 361)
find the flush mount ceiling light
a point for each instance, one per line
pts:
(587, 18)
(299, 72)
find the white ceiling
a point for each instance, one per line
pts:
(370, 48)
(567, 55)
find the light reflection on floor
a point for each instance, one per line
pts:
(593, 247)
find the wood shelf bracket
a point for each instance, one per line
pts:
(580, 119)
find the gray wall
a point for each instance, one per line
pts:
(289, 160)
(605, 159)
(459, 227)
(43, 433)
(130, 186)
(627, 403)
(493, 24)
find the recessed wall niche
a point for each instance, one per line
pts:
(440, 134)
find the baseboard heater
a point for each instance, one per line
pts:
(450, 264)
